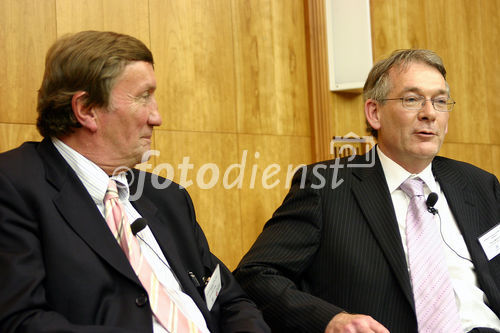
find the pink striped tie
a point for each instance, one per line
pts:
(165, 310)
(435, 304)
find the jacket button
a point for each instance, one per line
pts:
(141, 300)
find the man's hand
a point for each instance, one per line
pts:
(354, 323)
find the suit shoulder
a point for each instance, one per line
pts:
(21, 159)
(342, 166)
(24, 150)
(155, 181)
(327, 164)
(466, 169)
(155, 186)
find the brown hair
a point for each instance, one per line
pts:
(378, 85)
(87, 61)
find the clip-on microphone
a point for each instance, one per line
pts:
(430, 202)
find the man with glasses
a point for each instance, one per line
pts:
(365, 247)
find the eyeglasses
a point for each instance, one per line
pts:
(416, 103)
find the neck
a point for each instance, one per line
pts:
(412, 165)
(95, 152)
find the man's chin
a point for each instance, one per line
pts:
(427, 150)
(142, 156)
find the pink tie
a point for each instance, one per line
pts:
(165, 310)
(435, 304)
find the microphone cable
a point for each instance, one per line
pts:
(430, 202)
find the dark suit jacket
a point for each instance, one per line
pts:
(61, 270)
(330, 250)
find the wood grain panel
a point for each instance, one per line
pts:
(130, 17)
(396, 25)
(478, 154)
(496, 160)
(317, 75)
(27, 28)
(458, 31)
(456, 36)
(490, 30)
(270, 163)
(271, 72)
(349, 114)
(13, 135)
(193, 48)
(218, 206)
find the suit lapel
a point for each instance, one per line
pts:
(460, 200)
(162, 235)
(165, 238)
(372, 195)
(80, 212)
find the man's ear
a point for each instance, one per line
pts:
(372, 113)
(85, 115)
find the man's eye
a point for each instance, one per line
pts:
(441, 101)
(412, 99)
(146, 96)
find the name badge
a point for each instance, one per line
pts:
(490, 242)
(213, 288)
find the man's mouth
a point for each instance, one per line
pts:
(425, 133)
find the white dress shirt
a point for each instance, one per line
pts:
(96, 182)
(470, 298)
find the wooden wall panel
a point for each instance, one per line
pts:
(271, 72)
(490, 30)
(456, 30)
(462, 53)
(254, 56)
(320, 109)
(269, 158)
(478, 154)
(27, 29)
(396, 25)
(349, 115)
(496, 160)
(217, 207)
(13, 135)
(125, 16)
(193, 46)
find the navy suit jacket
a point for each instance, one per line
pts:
(61, 270)
(327, 250)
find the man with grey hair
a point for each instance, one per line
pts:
(77, 253)
(361, 245)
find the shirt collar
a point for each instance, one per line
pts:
(395, 174)
(122, 185)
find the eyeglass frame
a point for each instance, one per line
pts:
(424, 100)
